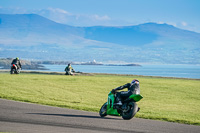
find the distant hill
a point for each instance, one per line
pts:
(30, 36)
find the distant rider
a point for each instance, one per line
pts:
(69, 70)
(17, 63)
(133, 88)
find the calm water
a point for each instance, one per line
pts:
(182, 71)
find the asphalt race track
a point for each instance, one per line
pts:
(32, 118)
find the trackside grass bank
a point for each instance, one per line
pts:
(174, 100)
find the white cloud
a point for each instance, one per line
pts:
(160, 22)
(169, 23)
(101, 18)
(59, 11)
(65, 17)
(55, 14)
(183, 23)
(62, 16)
(172, 23)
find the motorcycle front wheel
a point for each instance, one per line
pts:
(130, 112)
(12, 71)
(103, 110)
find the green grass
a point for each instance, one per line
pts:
(174, 100)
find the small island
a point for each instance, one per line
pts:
(124, 65)
(89, 63)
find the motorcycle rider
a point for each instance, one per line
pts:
(69, 70)
(133, 88)
(17, 62)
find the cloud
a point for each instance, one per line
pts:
(160, 22)
(101, 18)
(56, 14)
(184, 24)
(62, 16)
(172, 23)
(169, 23)
(65, 17)
(58, 10)
(176, 24)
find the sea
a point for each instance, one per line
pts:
(177, 71)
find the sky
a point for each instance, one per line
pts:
(184, 14)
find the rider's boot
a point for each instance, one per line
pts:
(138, 109)
(119, 101)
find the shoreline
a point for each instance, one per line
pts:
(90, 74)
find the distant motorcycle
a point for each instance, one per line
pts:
(127, 110)
(14, 69)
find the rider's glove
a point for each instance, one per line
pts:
(113, 91)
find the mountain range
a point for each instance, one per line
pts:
(33, 37)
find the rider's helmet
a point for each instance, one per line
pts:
(135, 84)
(17, 58)
(135, 81)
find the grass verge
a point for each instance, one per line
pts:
(174, 100)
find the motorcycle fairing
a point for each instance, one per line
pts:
(110, 103)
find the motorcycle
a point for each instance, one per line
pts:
(14, 69)
(127, 110)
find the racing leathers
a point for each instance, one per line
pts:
(17, 63)
(133, 88)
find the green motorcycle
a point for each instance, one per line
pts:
(127, 110)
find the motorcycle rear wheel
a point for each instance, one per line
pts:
(130, 112)
(17, 71)
(103, 110)
(12, 71)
